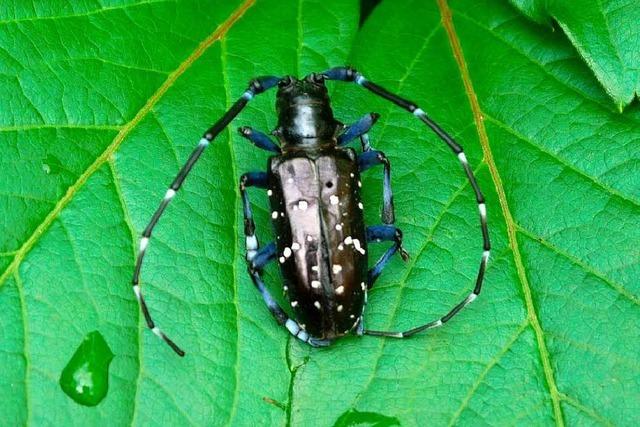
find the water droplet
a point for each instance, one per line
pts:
(52, 165)
(371, 419)
(85, 379)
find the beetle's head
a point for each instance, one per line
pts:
(304, 111)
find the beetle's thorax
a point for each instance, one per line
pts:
(305, 118)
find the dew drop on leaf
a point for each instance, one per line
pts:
(85, 379)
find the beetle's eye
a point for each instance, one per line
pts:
(285, 81)
(317, 78)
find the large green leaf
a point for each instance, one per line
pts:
(554, 336)
(99, 107)
(104, 105)
(605, 32)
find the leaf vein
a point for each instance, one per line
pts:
(576, 261)
(489, 366)
(510, 223)
(561, 160)
(216, 35)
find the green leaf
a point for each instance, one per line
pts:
(102, 106)
(553, 338)
(606, 35)
(98, 121)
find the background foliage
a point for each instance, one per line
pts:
(101, 104)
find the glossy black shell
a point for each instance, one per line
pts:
(314, 191)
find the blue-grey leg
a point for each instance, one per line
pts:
(359, 130)
(261, 258)
(256, 86)
(250, 179)
(375, 234)
(372, 158)
(259, 139)
(384, 233)
(347, 74)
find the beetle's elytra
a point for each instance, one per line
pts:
(313, 184)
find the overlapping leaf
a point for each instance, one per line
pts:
(607, 35)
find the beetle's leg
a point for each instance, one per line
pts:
(384, 233)
(256, 264)
(259, 139)
(250, 179)
(359, 130)
(372, 158)
(256, 86)
(348, 74)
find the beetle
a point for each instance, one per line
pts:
(313, 184)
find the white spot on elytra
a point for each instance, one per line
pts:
(315, 284)
(356, 245)
(274, 214)
(337, 268)
(352, 316)
(309, 239)
(359, 183)
(281, 259)
(286, 252)
(340, 247)
(303, 205)
(285, 288)
(348, 240)
(351, 175)
(317, 304)
(269, 193)
(282, 214)
(338, 227)
(340, 290)
(363, 286)
(360, 205)
(314, 268)
(295, 246)
(339, 308)
(334, 199)
(294, 303)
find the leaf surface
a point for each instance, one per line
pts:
(553, 336)
(100, 111)
(605, 33)
(97, 122)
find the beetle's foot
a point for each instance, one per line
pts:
(316, 342)
(404, 254)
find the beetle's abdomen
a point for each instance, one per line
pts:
(322, 251)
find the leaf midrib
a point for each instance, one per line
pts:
(447, 22)
(216, 35)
